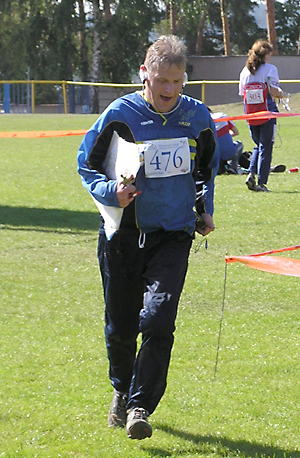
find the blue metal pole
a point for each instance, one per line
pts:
(6, 102)
(72, 99)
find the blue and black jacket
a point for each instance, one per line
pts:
(165, 203)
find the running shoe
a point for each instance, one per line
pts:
(117, 414)
(250, 182)
(262, 188)
(137, 426)
(280, 168)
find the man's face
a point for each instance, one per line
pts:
(163, 87)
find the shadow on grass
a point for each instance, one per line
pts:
(47, 219)
(285, 192)
(218, 446)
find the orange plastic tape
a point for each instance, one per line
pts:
(42, 134)
(272, 264)
(276, 250)
(65, 133)
(258, 115)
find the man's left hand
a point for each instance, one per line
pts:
(209, 224)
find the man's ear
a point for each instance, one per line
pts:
(143, 74)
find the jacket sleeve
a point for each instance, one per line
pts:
(205, 150)
(92, 153)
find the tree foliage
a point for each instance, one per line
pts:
(106, 39)
(201, 20)
(125, 38)
(38, 38)
(288, 26)
(12, 45)
(243, 27)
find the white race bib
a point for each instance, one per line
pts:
(254, 96)
(167, 158)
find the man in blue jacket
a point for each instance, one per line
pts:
(144, 262)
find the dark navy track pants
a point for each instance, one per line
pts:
(142, 287)
(263, 137)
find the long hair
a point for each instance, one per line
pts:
(257, 55)
(167, 49)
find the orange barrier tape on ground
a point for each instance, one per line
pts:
(258, 115)
(66, 133)
(42, 134)
(276, 250)
(272, 264)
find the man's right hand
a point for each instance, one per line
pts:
(125, 193)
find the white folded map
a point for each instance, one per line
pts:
(123, 159)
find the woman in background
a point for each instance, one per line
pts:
(259, 84)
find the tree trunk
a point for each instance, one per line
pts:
(95, 75)
(83, 45)
(199, 40)
(68, 55)
(172, 17)
(272, 35)
(226, 30)
(106, 9)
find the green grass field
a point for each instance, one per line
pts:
(55, 392)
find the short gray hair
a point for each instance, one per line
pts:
(167, 49)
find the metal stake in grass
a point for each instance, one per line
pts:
(221, 319)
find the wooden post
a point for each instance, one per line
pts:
(272, 35)
(226, 30)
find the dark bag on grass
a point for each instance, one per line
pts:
(244, 160)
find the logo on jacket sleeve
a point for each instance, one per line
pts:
(144, 123)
